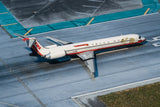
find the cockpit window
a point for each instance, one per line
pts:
(139, 37)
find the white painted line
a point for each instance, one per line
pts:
(123, 87)
(96, 0)
(89, 6)
(156, 44)
(8, 104)
(157, 38)
(77, 102)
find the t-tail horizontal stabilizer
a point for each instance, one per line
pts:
(57, 41)
(29, 41)
(34, 45)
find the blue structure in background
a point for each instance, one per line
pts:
(11, 25)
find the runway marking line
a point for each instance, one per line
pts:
(25, 86)
(4, 13)
(8, 104)
(146, 11)
(9, 24)
(28, 32)
(90, 21)
(77, 102)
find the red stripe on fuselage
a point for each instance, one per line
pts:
(81, 45)
(140, 41)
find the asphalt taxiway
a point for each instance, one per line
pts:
(30, 81)
(41, 12)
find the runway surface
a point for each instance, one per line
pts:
(27, 81)
(41, 12)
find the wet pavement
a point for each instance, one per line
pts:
(30, 81)
(41, 12)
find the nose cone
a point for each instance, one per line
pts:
(143, 39)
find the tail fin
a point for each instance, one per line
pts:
(29, 41)
(35, 45)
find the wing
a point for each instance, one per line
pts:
(57, 41)
(89, 60)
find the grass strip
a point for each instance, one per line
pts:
(144, 96)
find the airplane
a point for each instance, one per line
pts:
(84, 50)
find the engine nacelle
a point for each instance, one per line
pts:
(55, 53)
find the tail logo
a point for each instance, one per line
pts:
(38, 46)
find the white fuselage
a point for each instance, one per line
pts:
(76, 48)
